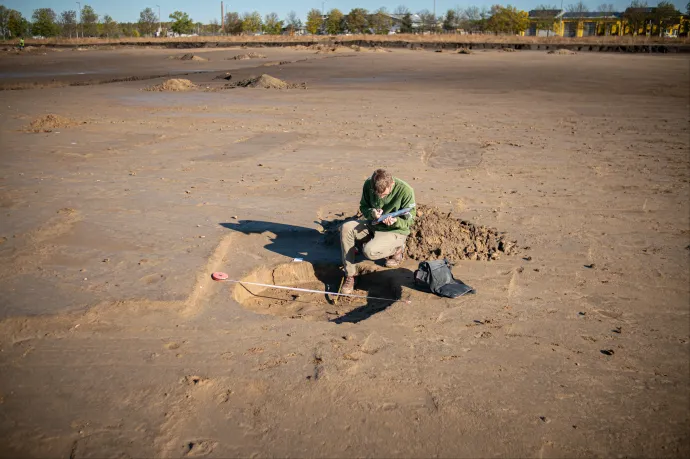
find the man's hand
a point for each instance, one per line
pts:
(390, 220)
(377, 213)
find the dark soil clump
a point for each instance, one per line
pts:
(266, 82)
(437, 235)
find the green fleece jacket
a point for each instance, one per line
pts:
(401, 196)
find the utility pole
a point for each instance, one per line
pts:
(160, 29)
(82, 34)
(222, 17)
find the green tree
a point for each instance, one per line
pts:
(406, 23)
(148, 21)
(89, 21)
(233, 23)
(335, 22)
(45, 23)
(181, 23)
(450, 22)
(665, 14)
(110, 28)
(357, 21)
(251, 23)
(545, 18)
(68, 23)
(507, 20)
(314, 21)
(273, 25)
(18, 25)
(380, 22)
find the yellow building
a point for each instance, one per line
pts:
(587, 24)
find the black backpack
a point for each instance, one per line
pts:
(437, 277)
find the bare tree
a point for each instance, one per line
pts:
(428, 20)
(293, 22)
(636, 15)
(606, 8)
(578, 8)
(401, 10)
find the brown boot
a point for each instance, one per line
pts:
(348, 285)
(394, 260)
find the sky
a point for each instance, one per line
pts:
(205, 10)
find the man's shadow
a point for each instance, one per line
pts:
(290, 240)
(309, 245)
(386, 286)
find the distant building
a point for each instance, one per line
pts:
(397, 20)
(589, 24)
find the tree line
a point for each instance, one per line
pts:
(497, 19)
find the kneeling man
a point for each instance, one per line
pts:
(382, 194)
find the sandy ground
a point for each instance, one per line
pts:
(115, 342)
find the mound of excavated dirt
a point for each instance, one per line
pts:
(436, 235)
(241, 57)
(562, 51)
(49, 123)
(189, 57)
(464, 51)
(265, 82)
(174, 84)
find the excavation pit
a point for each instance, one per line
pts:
(372, 281)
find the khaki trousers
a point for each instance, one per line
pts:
(383, 244)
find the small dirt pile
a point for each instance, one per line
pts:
(174, 84)
(324, 49)
(437, 235)
(565, 52)
(188, 57)
(242, 57)
(464, 51)
(49, 123)
(266, 82)
(509, 50)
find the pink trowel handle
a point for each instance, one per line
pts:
(219, 276)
